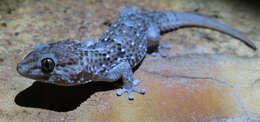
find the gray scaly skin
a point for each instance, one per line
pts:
(115, 54)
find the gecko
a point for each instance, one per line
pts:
(114, 55)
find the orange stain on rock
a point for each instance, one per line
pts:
(174, 99)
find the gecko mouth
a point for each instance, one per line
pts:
(22, 70)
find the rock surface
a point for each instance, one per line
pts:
(208, 76)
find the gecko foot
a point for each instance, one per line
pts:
(130, 90)
(161, 51)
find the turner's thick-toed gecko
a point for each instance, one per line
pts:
(116, 53)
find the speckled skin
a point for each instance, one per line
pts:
(113, 56)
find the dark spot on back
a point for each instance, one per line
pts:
(65, 70)
(81, 54)
(62, 65)
(96, 53)
(80, 57)
(81, 63)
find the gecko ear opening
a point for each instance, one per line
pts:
(47, 65)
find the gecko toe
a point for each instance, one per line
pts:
(166, 46)
(121, 92)
(130, 96)
(140, 91)
(136, 82)
(162, 53)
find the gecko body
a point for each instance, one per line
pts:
(115, 54)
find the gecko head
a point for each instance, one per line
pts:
(53, 63)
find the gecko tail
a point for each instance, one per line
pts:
(175, 20)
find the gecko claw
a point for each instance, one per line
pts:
(130, 96)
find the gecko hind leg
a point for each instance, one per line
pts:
(153, 37)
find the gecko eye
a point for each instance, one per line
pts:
(47, 65)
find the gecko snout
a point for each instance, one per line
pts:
(20, 69)
(26, 70)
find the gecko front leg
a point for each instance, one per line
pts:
(124, 71)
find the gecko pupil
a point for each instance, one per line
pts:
(47, 65)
